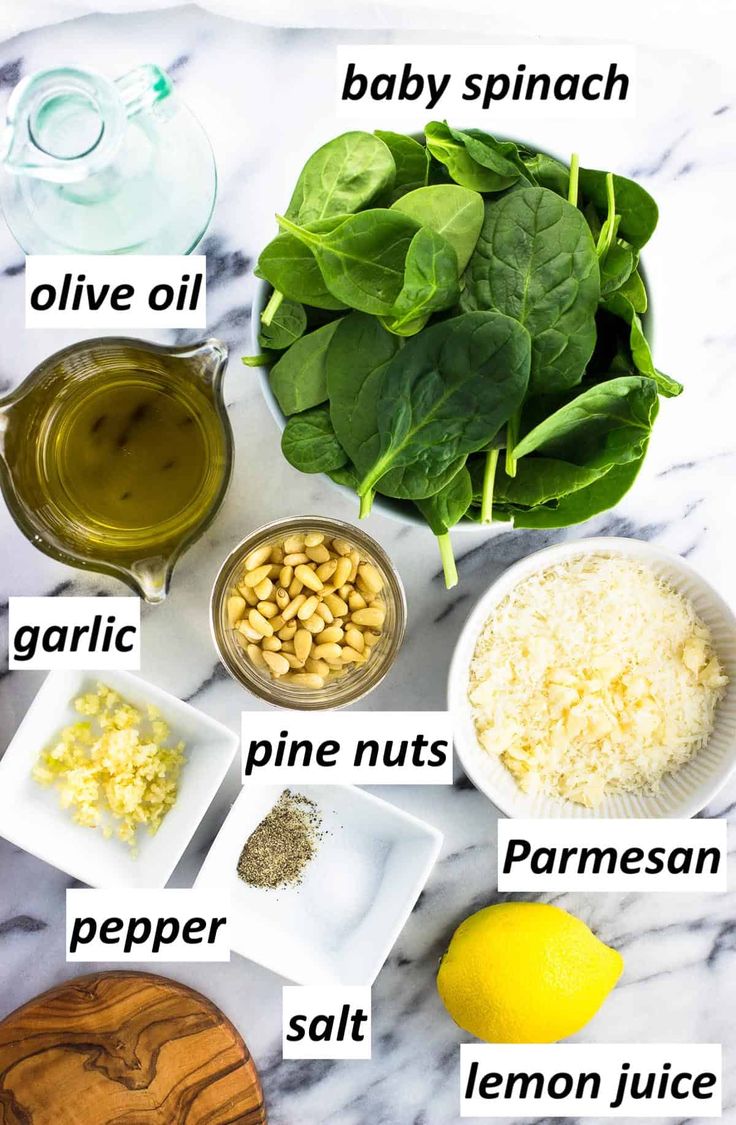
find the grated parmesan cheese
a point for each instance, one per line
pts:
(594, 677)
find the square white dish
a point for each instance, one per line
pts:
(339, 925)
(31, 816)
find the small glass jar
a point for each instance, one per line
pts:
(359, 679)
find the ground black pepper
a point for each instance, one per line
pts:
(278, 850)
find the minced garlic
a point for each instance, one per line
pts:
(594, 677)
(114, 766)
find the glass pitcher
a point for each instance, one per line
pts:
(91, 166)
(115, 455)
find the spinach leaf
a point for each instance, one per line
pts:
(291, 268)
(309, 442)
(620, 305)
(586, 502)
(451, 147)
(540, 480)
(299, 379)
(442, 511)
(452, 211)
(608, 424)
(536, 261)
(635, 207)
(616, 267)
(288, 324)
(431, 283)
(634, 291)
(447, 392)
(356, 364)
(346, 476)
(412, 163)
(362, 259)
(547, 172)
(341, 177)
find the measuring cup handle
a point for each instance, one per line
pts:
(141, 88)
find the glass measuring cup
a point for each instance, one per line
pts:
(115, 455)
(91, 166)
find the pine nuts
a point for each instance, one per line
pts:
(371, 577)
(308, 578)
(308, 680)
(308, 610)
(254, 577)
(257, 558)
(278, 664)
(331, 652)
(263, 589)
(373, 617)
(258, 622)
(302, 644)
(235, 609)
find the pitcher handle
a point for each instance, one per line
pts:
(143, 87)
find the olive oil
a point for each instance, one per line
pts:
(116, 453)
(128, 456)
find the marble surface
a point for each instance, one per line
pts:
(266, 97)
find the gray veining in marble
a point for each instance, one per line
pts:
(265, 97)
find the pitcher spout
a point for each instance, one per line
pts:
(151, 577)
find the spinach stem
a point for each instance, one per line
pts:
(366, 503)
(512, 437)
(489, 477)
(256, 360)
(608, 230)
(572, 191)
(448, 560)
(272, 307)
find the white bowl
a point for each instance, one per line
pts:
(32, 818)
(682, 794)
(340, 924)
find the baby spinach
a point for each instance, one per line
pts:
(634, 291)
(411, 160)
(536, 261)
(442, 511)
(492, 301)
(541, 481)
(447, 392)
(299, 379)
(357, 359)
(616, 267)
(635, 207)
(608, 424)
(431, 283)
(309, 442)
(362, 259)
(620, 305)
(291, 268)
(342, 176)
(584, 503)
(547, 172)
(356, 362)
(452, 211)
(288, 324)
(473, 159)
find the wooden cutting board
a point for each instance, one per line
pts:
(124, 1048)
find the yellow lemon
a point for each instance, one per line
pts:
(525, 972)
